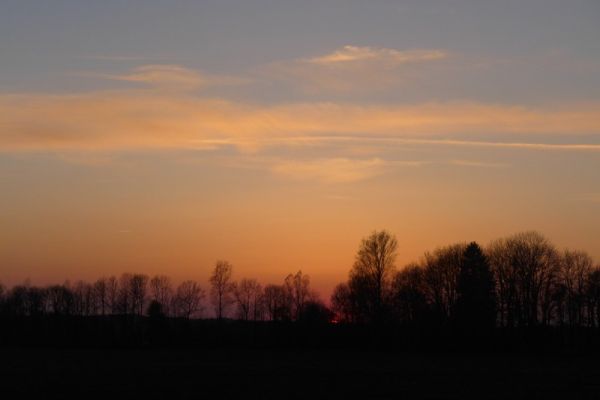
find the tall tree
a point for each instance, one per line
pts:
(476, 297)
(576, 267)
(593, 297)
(221, 287)
(297, 288)
(441, 271)
(370, 277)
(112, 292)
(138, 288)
(247, 295)
(101, 295)
(526, 267)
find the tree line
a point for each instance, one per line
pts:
(157, 296)
(519, 281)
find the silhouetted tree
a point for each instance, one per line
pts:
(297, 288)
(370, 277)
(138, 288)
(408, 298)
(576, 267)
(101, 295)
(161, 291)
(441, 271)
(221, 287)
(132, 293)
(124, 304)
(188, 299)
(274, 300)
(342, 303)
(248, 296)
(593, 297)
(35, 301)
(83, 294)
(59, 300)
(112, 293)
(476, 301)
(526, 267)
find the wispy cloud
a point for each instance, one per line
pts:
(171, 76)
(506, 145)
(380, 55)
(163, 75)
(392, 140)
(352, 68)
(132, 119)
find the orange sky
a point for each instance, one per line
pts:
(277, 137)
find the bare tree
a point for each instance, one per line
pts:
(370, 277)
(274, 300)
(161, 291)
(84, 300)
(342, 303)
(35, 301)
(138, 288)
(101, 295)
(506, 281)
(593, 297)
(247, 295)
(297, 288)
(60, 300)
(221, 287)
(188, 299)
(112, 293)
(124, 304)
(442, 268)
(576, 267)
(526, 267)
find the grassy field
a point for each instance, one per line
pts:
(290, 374)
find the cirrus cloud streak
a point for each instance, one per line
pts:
(131, 119)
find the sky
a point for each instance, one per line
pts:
(161, 136)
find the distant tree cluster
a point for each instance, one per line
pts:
(518, 281)
(157, 296)
(291, 301)
(130, 294)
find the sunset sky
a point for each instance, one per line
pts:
(159, 136)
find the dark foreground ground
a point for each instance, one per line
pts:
(45, 373)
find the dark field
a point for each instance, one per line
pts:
(45, 373)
